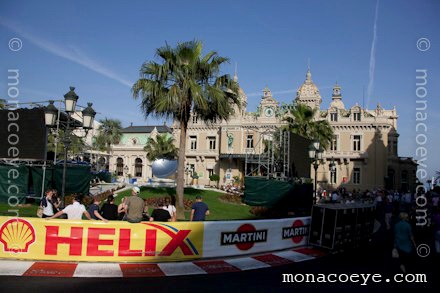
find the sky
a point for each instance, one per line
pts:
(371, 48)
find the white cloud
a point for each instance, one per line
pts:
(373, 56)
(75, 55)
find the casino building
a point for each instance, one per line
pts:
(364, 149)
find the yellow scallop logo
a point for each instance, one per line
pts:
(17, 235)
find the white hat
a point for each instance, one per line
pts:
(136, 189)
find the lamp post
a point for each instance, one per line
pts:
(315, 154)
(88, 115)
(332, 167)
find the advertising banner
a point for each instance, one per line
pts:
(96, 241)
(247, 237)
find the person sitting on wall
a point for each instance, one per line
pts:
(170, 208)
(145, 214)
(160, 214)
(121, 209)
(134, 206)
(109, 210)
(74, 211)
(94, 210)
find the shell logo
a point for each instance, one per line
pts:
(17, 235)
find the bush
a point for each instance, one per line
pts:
(214, 177)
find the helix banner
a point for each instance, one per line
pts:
(67, 240)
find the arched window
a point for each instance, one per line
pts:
(120, 166)
(138, 167)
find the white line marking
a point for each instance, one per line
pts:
(14, 267)
(247, 263)
(103, 270)
(177, 269)
(294, 256)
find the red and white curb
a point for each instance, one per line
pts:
(111, 270)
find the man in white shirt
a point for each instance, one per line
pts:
(74, 211)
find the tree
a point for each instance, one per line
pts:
(109, 133)
(2, 103)
(301, 121)
(183, 82)
(76, 145)
(161, 148)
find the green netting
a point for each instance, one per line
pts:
(14, 182)
(77, 179)
(261, 191)
(37, 179)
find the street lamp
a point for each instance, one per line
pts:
(332, 167)
(50, 114)
(315, 154)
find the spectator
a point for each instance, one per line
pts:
(121, 210)
(74, 211)
(94, 210)
(199, 210)
(134, 206)
(170, 208)
(404, 241)
(160, 214)
(109, 210)
(46, 203)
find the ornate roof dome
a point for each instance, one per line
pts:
(308, 92)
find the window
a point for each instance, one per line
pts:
(250, 141)
(395, 148)
(356, 143)
(193, 142)
(211, 142)
(333, 176)
(195, 119)
(357, 116)
(138, 167)
(356, 176)
(210, 172)
(334, 116)
(120, 166)
(334, 143)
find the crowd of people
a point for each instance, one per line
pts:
(406, 218)
(132, 209)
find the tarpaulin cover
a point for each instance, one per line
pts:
(77, 178)
(37, 179)
(261, 191)
(14, 182)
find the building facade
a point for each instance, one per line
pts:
(128, 158)
(363, 150)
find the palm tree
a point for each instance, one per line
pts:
(185, 82)
(109, 133)
(161, 148)
(301, 121)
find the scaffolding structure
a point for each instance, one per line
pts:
(270, 156)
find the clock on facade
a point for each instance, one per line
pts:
(269, 112)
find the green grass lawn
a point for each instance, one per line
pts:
(219, 210)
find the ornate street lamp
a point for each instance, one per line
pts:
(315, 154)
(50, 113)
(332, 167)
(88, 116)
